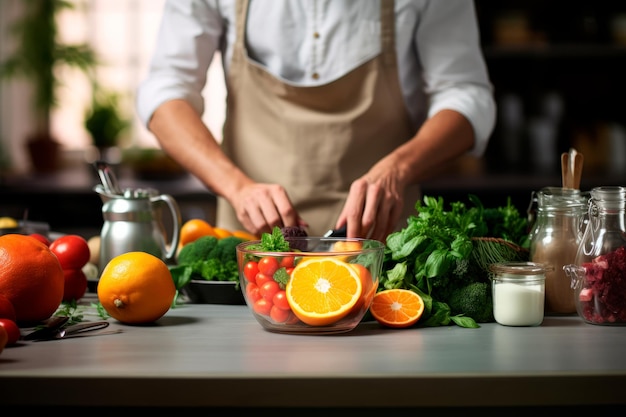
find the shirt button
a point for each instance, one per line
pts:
(316, 35)
(315, 76)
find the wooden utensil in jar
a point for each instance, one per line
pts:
(571, 169)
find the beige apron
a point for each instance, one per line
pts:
(314, 141)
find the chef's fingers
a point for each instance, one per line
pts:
(387, 217)
(352, 211)
(384, 206)
(261, 207)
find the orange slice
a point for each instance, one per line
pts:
(397, 308)
(323, 290)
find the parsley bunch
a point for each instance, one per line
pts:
(436, 256)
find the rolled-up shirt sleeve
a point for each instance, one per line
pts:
(187, 40)
(455, 75)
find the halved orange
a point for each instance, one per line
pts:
(369, 286)
(323, 290)
(397, 308)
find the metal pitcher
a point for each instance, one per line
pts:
(133, 221)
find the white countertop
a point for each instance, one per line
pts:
(207, 355)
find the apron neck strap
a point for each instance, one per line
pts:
(388, 32)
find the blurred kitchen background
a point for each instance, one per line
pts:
(558, 69)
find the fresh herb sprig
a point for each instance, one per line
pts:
(272, 242)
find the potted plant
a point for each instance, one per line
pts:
(36, 58)
(105, 120)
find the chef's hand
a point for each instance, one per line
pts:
(261, 207)
(374, 204)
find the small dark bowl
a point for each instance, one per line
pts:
(214, 292)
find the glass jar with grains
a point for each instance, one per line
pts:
(554, 239)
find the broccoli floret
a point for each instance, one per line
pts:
(198, 250)
(225, 250)
(221, 263)
(473, 300)
(215, 270)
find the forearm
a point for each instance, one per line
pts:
(442, 138)
(182, 134)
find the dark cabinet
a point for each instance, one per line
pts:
(558, 73)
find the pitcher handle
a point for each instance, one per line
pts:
(176, 222)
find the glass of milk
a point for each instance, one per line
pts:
(519, 292)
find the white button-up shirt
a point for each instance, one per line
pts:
(313, 42)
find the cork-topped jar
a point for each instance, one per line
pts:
(555, 238)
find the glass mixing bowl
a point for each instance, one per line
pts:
(321, 285)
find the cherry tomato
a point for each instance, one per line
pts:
(252, 291)
(280, 300)
(279, 315)
(262, 278)
(41, 238)
(262, 306)
(13, 331)
(287, 262)
(72, 251)
(289, 271)
(268, 289)
(268, 265)
(250, 269)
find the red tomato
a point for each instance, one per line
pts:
(41, 238)
(12, 331)
(287, 262)
(280, 300)
(262, 306)
(250, 269)
(72, 250)
(268, 265)
(279, 315)
(252, 291)
(262, 278)
(4, 338)
(268, 289)
(75, 284)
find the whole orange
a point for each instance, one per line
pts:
(193, 229)
(221, 233)
(244, 234)
(136, 288)
(6, 309)
(30, 277)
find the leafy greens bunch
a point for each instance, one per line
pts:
(207, 258)
(441, 255)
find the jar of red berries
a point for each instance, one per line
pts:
(599, 273)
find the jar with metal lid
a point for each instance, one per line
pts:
(518, 290)
(554, 239)
(598, 274)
